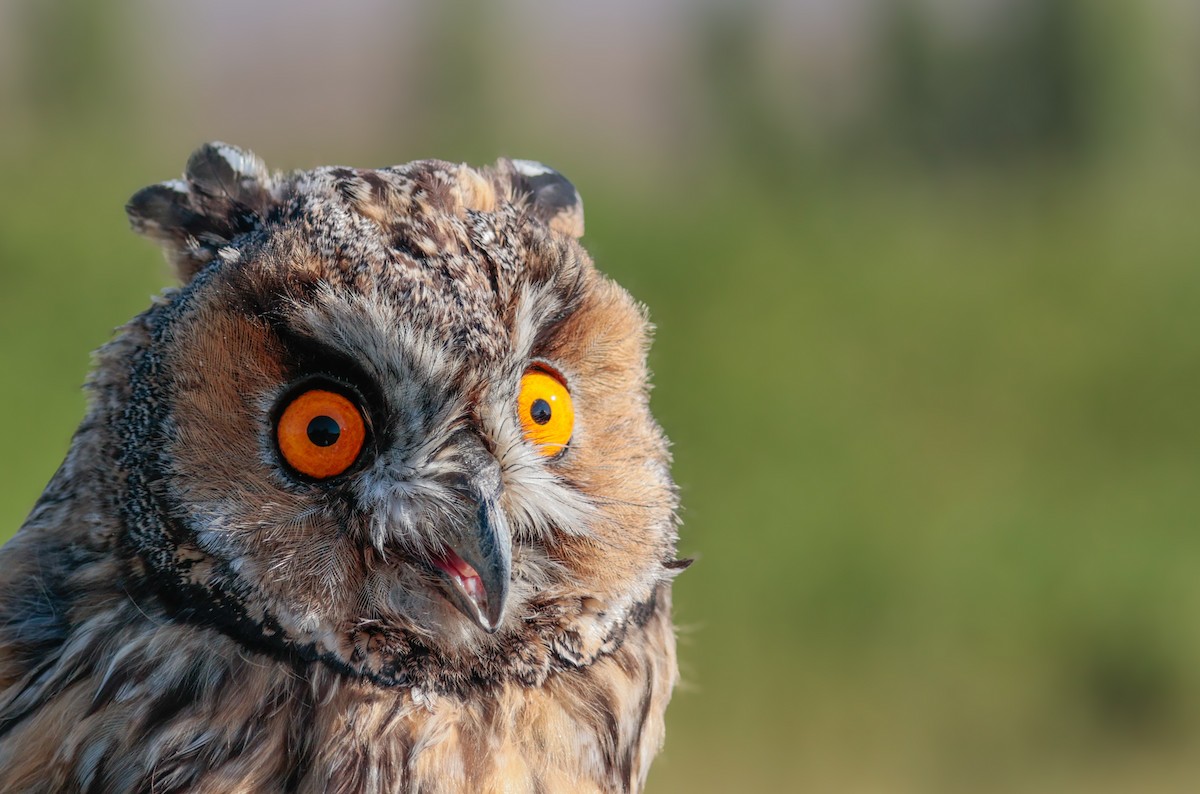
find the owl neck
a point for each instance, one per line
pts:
(556, 638)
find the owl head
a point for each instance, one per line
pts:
(393, 421)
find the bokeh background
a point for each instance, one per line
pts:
(927, 282)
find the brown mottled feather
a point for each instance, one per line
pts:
(181, 613)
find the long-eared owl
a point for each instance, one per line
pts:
(373, 501)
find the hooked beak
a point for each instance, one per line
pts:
(477, 566)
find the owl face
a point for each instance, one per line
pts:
(393, 417)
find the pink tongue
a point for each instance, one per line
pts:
(464, 574)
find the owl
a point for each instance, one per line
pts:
(373, 502)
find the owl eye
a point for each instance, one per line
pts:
(320, 433)
(544, 408)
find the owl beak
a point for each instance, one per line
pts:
(477, 567)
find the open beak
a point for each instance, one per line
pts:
(477, 566)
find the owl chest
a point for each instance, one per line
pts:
(512, 741)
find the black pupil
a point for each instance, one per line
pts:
(324, 431)
(540, 411)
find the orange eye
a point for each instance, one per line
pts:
(544, 407)
(320, 433)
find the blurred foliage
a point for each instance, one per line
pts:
(931, 381)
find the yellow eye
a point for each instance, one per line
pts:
(320, 433)
(544, 407)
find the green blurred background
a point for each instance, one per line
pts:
(927, 282)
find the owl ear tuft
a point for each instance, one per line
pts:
(218, 169)
(552, 197)
(225, 192)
